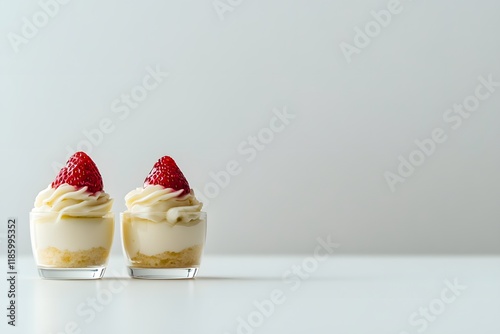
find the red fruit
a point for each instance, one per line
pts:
(166, 173)
(80, 171)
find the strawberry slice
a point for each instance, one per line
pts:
(166, 173)
(80, 171)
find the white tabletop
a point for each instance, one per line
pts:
(250, 294)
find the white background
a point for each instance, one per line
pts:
(322, 175)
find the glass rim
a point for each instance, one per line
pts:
(72, 214)
(156, 212)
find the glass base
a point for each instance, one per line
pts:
(162, 273)
(71, 273)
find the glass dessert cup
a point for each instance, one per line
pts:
(160, 250)
(71, 247)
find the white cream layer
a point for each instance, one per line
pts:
(69, 233)
(152, 238)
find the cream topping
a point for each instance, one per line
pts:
(69, 201)
(157, 204)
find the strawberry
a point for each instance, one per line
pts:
(166, 173)
(80, 171)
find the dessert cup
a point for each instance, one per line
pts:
(71, 247)
(161, 250)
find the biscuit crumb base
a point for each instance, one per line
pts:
(54, 257)
(188, 257)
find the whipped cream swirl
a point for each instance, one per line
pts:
(69, 201)
(157, 204)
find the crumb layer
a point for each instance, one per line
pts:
(188, 257)
(54, 257)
